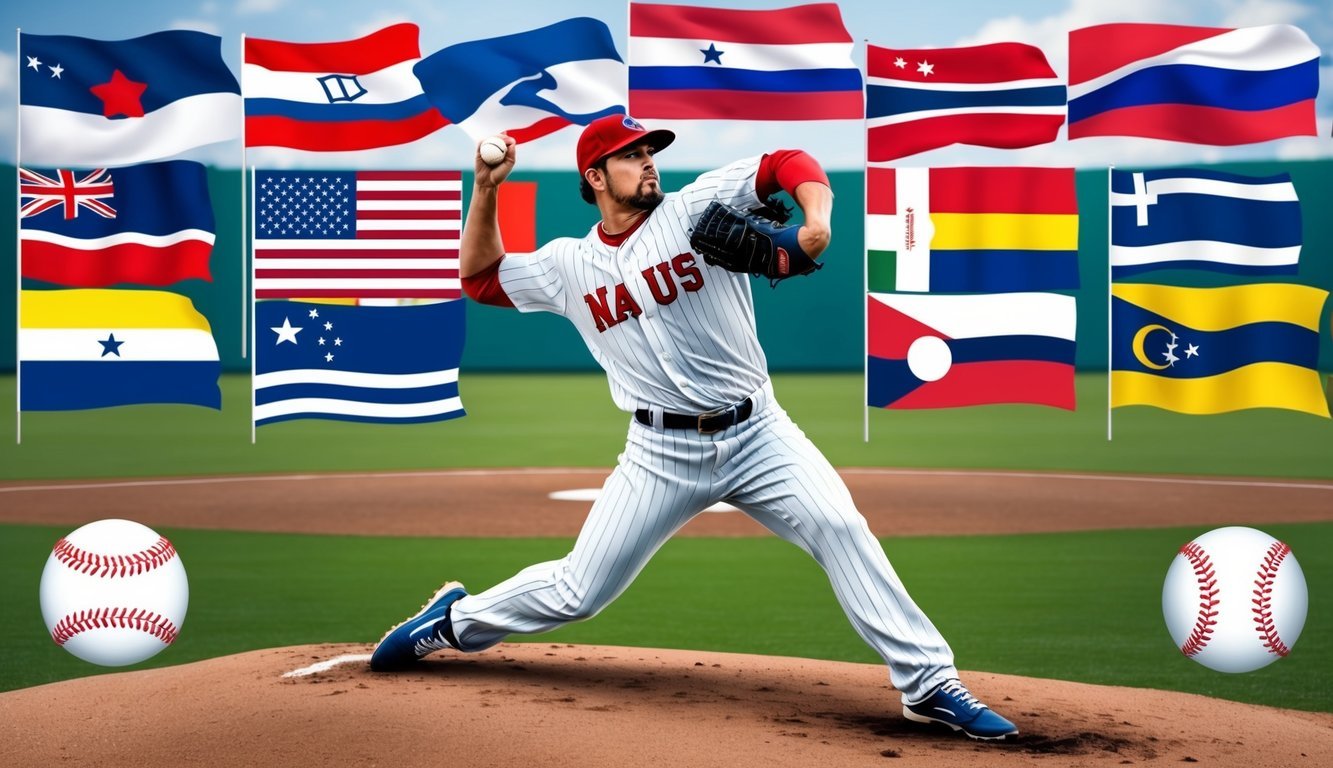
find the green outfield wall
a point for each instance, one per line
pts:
(813, 323)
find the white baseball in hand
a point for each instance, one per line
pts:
(114, 593)
(1235, 599)
(493, 150)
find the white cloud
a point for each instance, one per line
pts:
(259, 6)
(198, 25)
(1253, 13)
(380, 22)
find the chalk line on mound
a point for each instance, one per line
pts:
(325, 666)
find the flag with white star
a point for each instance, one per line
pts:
(96, 348)
(96, 102)
(389, 364)
(1215, 350)
(694, 63)
(357, 234)
(1003, 95)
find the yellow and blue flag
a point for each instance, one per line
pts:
(1214, 350)
(96, 348)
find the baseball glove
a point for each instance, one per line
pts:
(744, 242)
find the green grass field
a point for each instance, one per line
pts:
(568, 420)
(1084, 606)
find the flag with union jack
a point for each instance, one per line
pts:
(361, 234)
(145, 224)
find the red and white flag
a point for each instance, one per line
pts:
(362, 234)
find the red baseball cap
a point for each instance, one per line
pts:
(608, 135)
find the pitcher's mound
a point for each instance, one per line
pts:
(564, 705)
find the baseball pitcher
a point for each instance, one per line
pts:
(660, 291)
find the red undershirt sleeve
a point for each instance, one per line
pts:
(787, 169)
(484, 287)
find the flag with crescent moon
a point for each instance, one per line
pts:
(1215, 350)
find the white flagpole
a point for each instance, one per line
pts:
(1109, 210)
(245, 203)
(251, 313)
(18, 241)
(865, 252)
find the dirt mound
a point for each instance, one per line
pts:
(564, 705)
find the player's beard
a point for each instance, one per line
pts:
(646, 196)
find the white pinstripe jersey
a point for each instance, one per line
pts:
(669, 329)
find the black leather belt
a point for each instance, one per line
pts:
(706, 423)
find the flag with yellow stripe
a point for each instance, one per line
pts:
(97, 348)
(1214, 350)
(971, 230)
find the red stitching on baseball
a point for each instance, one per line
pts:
(1207, 620)
(112, 566)
(1263, 598)
(117, 618)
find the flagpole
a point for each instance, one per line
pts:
(245, 244)
(18, 241)
(1109, 211)
(865, 254)
(253, 334)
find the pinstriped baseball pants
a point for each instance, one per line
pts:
(766, 467)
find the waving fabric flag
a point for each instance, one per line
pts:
(793, 63)
(1002, 95)
(1196, 84)
(147, 224)
(92, 103)
(1214, 350)
(950, 351)
(529, 84)
(95, 348)
(362, 234)
(984, 230)
(357, 363)
(357, 94)
(1196, 219)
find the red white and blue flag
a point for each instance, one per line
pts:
(528, 84)
(357, 234)
(943, 351)
(687, 62)
(1002, 95)
(94, 103)
(1203, 85)
(352, 95)
(145, 224)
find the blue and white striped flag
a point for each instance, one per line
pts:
(394, 364)
(1194, 219)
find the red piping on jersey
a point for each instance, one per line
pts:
(615, 240)
(485, 286)
(787, 169)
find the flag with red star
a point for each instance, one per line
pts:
(86, 102)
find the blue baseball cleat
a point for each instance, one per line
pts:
(420, 635)
(953, 705)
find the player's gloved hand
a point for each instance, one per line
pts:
(730, 238)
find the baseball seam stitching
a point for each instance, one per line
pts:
(114, 566)
(1263, 598)
(114, 618)
(1208, 601)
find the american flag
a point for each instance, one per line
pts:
(67, 191)
(363, 234)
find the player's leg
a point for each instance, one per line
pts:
(781, 479)
(651, 494)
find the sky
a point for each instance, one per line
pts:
(701, 144)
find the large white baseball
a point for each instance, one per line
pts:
(114, 593)
(1235, 599)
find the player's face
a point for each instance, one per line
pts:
(631, 178)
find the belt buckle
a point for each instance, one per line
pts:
(712, 414)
